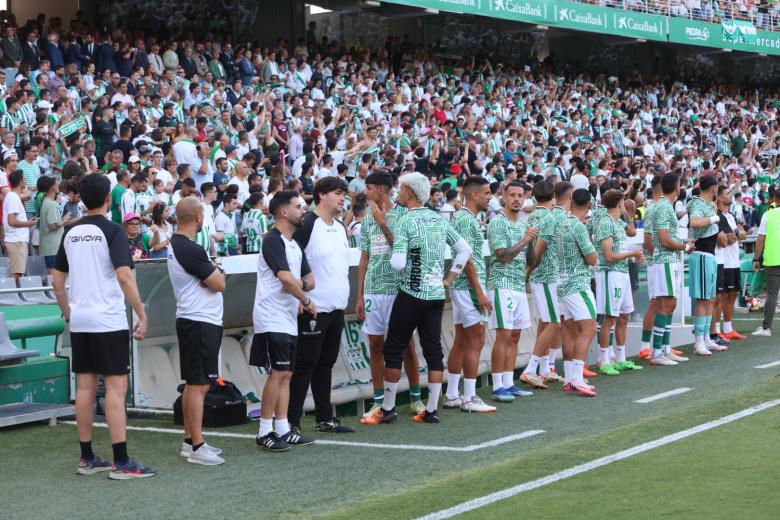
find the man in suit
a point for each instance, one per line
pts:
(53, 50)
(141, 58)
(12, 54)
(89, 48)
(188, 64)
(201, 62)
(155, 60)
(31, 54)
(75, 55)
(226, 58)
(105, 56)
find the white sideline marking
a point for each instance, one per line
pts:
(769, 365)
(594, 464)
(157, 411)
(663, 395)
(419, 447)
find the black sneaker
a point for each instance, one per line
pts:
(272, 442)
(426, 416)
(334, 426)
(294, 437)
(719, 341)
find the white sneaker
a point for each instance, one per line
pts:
(702, 351)
(206, 457)
(675, 357)
(186, 449)
(477, 405)
(453, 403)
(663, 361)
(714, 347)
(761, 331)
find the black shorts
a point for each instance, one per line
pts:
(106, 353)
(728, 279)
(273, 351)
(199, 344)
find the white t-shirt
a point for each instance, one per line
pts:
(188, 265)
(13, 204)
(274, 309)
(243, 189)
(327, 250)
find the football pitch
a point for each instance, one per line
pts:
(700, 440)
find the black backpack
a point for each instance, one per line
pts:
(224, 405)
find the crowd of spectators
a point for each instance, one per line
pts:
(235, 123)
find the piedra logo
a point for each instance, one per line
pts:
(628, 23)
(696, 33)
(524, 8)
(571, 15)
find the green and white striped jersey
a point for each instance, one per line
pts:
(616, 229)
(548, 270)
(254, 224)
(423, 236)
(467, 226)
(381, 278)
(572, 246)
(664, 217)
(504, 234)
(699, 207)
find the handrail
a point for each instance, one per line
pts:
(19, 290)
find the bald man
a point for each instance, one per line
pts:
(197, 285)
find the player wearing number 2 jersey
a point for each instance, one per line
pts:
(508, 237)
(378, 287)
(419, 241)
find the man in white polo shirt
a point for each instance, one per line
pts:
(324, 241)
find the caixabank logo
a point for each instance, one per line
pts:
(531, 9)
(573, 16)
(628, 23)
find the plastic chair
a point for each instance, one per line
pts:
(34, 297)
(36, 266)
(11, 298)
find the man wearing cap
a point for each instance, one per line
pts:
(451, 182)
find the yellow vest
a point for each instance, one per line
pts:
(772, 240)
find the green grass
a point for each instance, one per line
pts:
(37, 462)
(717, 474)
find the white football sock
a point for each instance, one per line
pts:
(544, 366)
(578, 367)
(281, 427)
(553, 356)
(567, 371)
(667, 349)
(604, 356)
(699, 341)
(533, 364)
(266, 427)
(620, 353)
(611, 353)
(498, 381)
(390, 390)
(469, 389)
(434, 391)
(508, 379)
(717, 328)
(452, 386)
(727, 327)
(645, 344)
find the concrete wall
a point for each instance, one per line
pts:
(26, 9)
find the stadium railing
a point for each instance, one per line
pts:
(763, 14)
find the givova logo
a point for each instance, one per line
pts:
(568, 14)
(697, 33)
